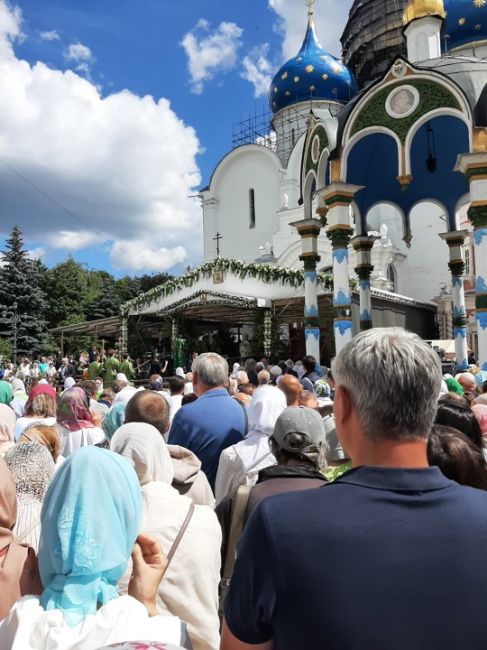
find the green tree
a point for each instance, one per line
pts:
(106, 301)
(22, 300)
(67, 290)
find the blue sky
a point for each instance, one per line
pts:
(92, 163)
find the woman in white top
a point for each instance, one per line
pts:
(75, 422)
(40, 408)
(90, 522)
(240, 463)
(189, 589)
(32, 467)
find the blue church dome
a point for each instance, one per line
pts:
(311, 74)
(466, 22)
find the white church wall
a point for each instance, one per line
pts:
(420, 269)
(250, 167)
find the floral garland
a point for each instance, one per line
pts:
(263, 272)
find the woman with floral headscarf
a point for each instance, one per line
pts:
(89, 525)
(76, 424)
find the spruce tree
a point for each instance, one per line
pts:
(107, 300)
(22, 301)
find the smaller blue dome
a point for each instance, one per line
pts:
(311, 74)
(466, 22)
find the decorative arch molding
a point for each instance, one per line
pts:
(317, 141)
(404, 218)
(400, 104)
(360, 136)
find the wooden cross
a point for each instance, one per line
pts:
(217, 239)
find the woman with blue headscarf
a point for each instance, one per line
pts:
(89, 525)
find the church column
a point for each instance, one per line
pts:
(309, 230)
(474, 166)
(124, 335)
(267, 333)
(363, 246)
(454, 240)
(338, 198)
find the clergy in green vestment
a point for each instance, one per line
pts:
(112, 367)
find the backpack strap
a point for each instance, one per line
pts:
(239, 506)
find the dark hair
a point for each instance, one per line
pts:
(89, 387)
(484, 387)
(457, 456)
(249, 388)
(309, 363)
(176, 385)
(150, 407)
(452, 413)
(187, 399)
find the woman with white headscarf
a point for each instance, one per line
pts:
(7, 426)
(32, 467)
(20, 396)
(240, 463)
(189, 588)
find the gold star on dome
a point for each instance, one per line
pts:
(287, 93)
(477, 27)
(296, 79)
(275, 89)
(309, 68)
(324, 76)
(478, 3)
(284, 76)
(461, 21)
(312, 88)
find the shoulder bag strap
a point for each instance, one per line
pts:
(236, 526)
(179, 536)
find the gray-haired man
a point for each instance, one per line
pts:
(385, 556)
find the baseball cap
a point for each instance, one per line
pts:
(299, 420)
(275, 371)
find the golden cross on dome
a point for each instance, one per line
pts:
(309, 4)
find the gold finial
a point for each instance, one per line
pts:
(309, 5)
(420, 8)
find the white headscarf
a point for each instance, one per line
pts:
(69, 382)
(235, 369)
(179, 372)
(266, 406)
(144, 447)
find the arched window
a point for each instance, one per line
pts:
(391, 276)
(251, 208)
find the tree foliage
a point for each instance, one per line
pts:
(22, 299)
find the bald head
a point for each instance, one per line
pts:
(291, 387)
(149, 407)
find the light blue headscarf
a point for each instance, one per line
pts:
(89, 522)
(114, 419)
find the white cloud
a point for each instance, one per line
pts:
(49, 35)
(80, 170)
(210, 52)
(137, 256)
(36, 253)
(258, 70)
(330, 17)
(78, 52)
(74, 240)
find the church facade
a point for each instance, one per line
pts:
(382, 184)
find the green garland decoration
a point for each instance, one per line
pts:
(263, 272)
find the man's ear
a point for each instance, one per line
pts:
(342, 406)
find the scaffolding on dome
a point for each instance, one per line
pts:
(257, 128)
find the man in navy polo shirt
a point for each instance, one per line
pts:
(387, 557)
(214, 421)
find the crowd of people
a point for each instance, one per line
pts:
(273, 504)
